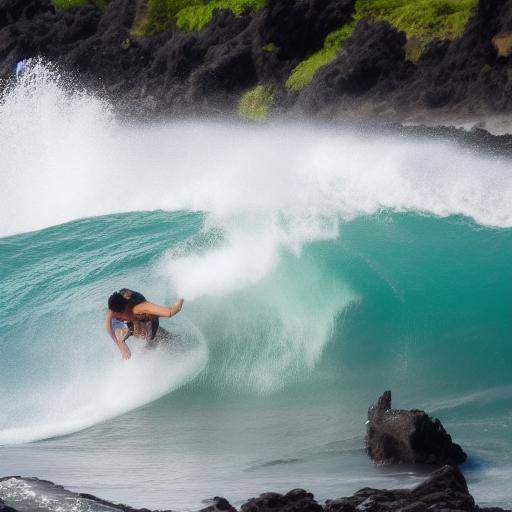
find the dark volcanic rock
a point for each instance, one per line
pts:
(300, 26)
(5, 508)
(374, 53)
(399, 436)
(219, 505)
(180, 72)
(445, 489)
(297, 500)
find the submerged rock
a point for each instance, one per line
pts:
(398, 436)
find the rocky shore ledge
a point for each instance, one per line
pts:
(393, 436)
(445, 490)
(324, 59)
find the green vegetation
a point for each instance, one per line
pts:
(196, 17)
(160, 15)
(486, 69)
(255, 104)
(70, 4)
(187, 14)
(270, 48)
(302, 75)
(421, 20)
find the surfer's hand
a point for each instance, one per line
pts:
(176, 308)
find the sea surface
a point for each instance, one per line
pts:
(320, 266)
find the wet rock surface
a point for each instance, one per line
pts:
(412, 437)
(180, 72)
(444, 490)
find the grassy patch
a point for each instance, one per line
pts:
(196, 17)
(70, 4)
(270, 48)
(187, 14)
(302, 75)
(255, 104)
(421, 20)
(160, 15)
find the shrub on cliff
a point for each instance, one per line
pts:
(191, 15)
(255, 104)
(71, 4)
(197, 16)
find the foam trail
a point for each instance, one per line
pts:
(85, 394)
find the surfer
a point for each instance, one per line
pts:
(130, 314)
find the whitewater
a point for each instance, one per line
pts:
(320, 265)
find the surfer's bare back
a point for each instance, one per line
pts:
(130, 314)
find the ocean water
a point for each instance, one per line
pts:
(320, 266)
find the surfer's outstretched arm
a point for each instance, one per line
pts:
(148, 308)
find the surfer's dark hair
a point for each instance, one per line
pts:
(117, 303)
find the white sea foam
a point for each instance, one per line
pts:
(64, 157)
(90, 394)
(268, 188)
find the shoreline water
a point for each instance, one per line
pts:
(443, 489)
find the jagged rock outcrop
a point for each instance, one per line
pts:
(297, 500)
(298, 27)
(374, 53)
(399, 436)
(445, 489)
(179, 72)
(219, 505)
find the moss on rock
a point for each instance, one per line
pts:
(270, 48)
(304, 72)
(192, 15)
(421, 20)
(68, 4)
(71, 4)
(256, 103)
(197, 16)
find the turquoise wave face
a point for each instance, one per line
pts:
(319, 265)
(410, 302)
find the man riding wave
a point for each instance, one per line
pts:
(130, 314)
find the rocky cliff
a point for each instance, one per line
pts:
(333, 59)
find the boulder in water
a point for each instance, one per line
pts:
(398, 436)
